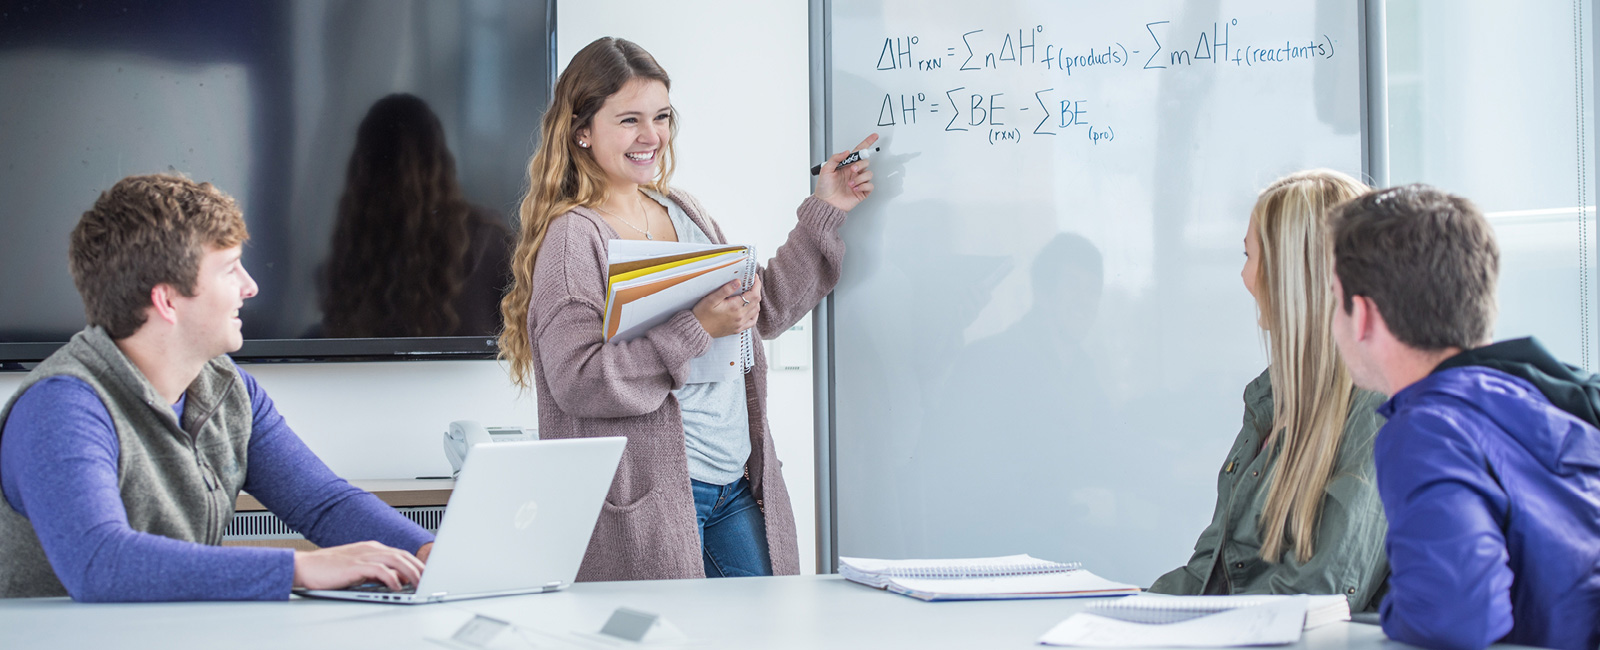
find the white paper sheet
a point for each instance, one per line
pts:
(1276, 623)
(1165, 608)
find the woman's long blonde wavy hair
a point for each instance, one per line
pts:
(562, 175)
(1311, 387)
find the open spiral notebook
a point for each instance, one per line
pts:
(650, 281)
(1162, 608)
(986, 578)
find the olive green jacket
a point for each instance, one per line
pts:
(1349, 557)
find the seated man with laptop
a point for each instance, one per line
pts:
(121, 454)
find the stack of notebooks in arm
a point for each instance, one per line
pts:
(650, 281)
(987, 578)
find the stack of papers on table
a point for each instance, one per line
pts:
(1197, 621)
(988, 578)
(650, 281)
(1161, 608)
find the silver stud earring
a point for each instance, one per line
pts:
(583, 144)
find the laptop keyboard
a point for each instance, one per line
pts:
(380, 588)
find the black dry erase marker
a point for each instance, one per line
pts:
(859, 155)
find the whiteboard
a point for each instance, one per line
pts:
(1041, 339)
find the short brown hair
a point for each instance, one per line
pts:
(1426, 257)
(145, 231)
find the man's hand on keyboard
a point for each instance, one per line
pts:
(342, 566)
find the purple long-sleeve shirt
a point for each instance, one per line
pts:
(58, 468)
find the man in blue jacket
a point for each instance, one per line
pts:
(1489, 464)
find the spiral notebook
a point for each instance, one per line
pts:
(650, 281)
(985, 578)
(1269, 622)
(1163, 609)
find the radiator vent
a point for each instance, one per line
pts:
(265, 525)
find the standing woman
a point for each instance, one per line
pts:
(699, 491)
(1297, 503)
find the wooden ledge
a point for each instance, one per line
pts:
(399, 493)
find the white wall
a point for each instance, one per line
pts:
(382, 420)
(741, 90)
(743, 149)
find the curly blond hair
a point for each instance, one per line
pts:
(562, 175)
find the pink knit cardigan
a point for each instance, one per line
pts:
(587, 387)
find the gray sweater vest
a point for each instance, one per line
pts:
(177, 480)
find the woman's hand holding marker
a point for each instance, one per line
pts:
(846, 187)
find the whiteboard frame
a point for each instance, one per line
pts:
(1375, 167)
(822, 386)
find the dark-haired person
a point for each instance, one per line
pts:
(1489, 464)
(410, 256)
(699, 492)
(122, 453)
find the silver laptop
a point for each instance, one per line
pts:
(518, 522)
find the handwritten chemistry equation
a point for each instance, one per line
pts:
(1004, 120)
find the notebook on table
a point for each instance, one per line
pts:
(1162, 608)
(518, 522)
(1275, 620)
(988, 578)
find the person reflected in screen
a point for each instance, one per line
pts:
(1067, 280)
(410, 256)
(122, 453)
(1489, 463)
(1297, 504)
(700, 491)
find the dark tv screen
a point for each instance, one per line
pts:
(378, 150)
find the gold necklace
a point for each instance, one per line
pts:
(646, 231)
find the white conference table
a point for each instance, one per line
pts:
(783, 612)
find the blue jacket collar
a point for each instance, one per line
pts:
(1561, 441)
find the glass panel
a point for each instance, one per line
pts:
(1494, 101)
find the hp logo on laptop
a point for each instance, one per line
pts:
(525, 515)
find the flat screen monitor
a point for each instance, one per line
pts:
(377, 148)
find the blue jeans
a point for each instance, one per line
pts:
(733, 532)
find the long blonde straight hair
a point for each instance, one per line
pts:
(1311, 388)
(562, 175)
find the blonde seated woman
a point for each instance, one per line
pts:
(1297, 503)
